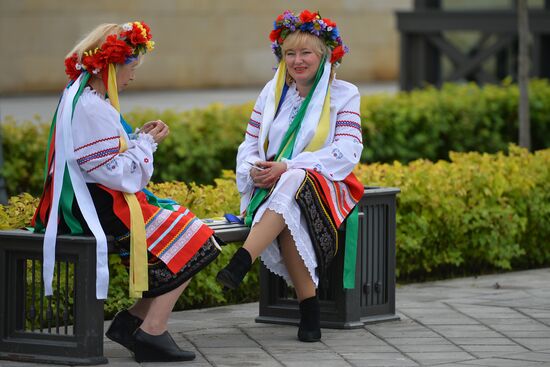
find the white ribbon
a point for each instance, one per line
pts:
(64, 154)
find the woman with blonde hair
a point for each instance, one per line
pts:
(96, 172)
(294, 167)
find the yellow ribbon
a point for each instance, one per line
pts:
(323, 128)
(112, 89)
(139, 281)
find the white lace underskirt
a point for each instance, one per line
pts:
(282, 202)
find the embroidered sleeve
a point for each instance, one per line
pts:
(98, 141)
(248, 150)
(97, 153)
(337, 159)
(348, 126)
(253, 128)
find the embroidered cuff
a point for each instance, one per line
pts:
(144, 137)
(288, 162)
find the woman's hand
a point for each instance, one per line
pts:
(157, 129)
(267, 174)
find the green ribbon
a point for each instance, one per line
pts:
(67, 192)
(350, 255)
(285, 151)
(287, 146)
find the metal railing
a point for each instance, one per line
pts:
(427, 44)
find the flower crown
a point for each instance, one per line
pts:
(307, 21)
(119, 48)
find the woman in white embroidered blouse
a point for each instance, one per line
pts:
(303, 140)
(96, 177)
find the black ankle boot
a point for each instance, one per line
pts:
(122, 329)
(158, 348)
(233, 274)
(310, 320)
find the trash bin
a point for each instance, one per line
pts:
(372, 299)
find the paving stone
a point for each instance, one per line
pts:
(398, 362)
(529, 356)
(518, 320)
(428, 348)
(363, 349)
(439, 357)
(329, 363)
(374, 356)
(275, 348)
(454, 331)
(223, 340)
(518, 326)
(428, 320)
(527, 334)
(502, 362)
(299, 355)
(482, 341)
(127, 362)
(337, 339)
(536, 344)
(242, 357)
(484, 351)
(415, 341)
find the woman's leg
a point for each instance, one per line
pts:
(261, 236)
(310, 314)
(153, 343)
(141, 307)
(299, 274)
(157, 310)
(263, 233)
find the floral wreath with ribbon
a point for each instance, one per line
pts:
(324, 28)
(117, 49)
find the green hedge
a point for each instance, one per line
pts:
(474, 214)
(430, 123)
(407, 126)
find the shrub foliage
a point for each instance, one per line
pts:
(477, 212)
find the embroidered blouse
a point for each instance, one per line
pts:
(97, 134)
(335, 160)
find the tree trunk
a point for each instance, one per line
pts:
(523, 75)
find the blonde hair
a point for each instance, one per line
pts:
(301, 39)
(94, 39)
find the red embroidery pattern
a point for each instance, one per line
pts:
(97, 141)
(102, 164)
(351, 112)
(353, 136)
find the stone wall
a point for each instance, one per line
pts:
(199, 43)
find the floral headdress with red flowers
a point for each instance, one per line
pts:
(324, 28)
(119, 48)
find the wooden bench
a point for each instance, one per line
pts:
(48, 329)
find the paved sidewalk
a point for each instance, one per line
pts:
(496, 320)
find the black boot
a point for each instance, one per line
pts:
(232, 275)
(310, 320)
(122, 329)
(158, 348)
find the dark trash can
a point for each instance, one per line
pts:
(373, 298)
